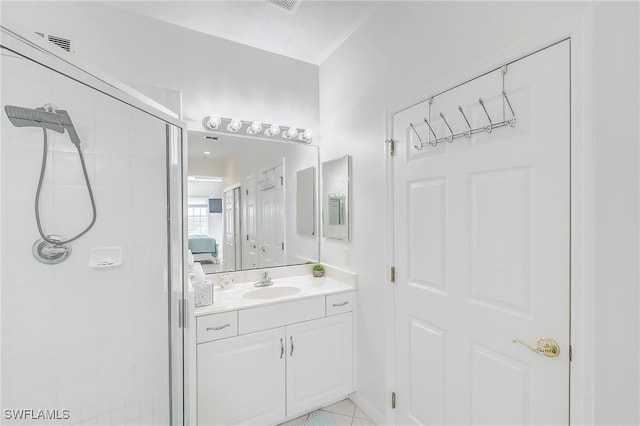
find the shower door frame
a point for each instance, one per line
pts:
(22, 42)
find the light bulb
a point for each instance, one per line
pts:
(306, 135)
(291, 133)
(273, 130)
(211, 122)
(256, 127)
(234, 125)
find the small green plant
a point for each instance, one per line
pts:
(318, 267)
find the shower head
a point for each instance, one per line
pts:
(46, 118)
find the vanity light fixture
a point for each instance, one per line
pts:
(306, 136)
(290, 133)
(255, 128)
(273, 130)
(211, 122)
(234, 125)
(207, 153)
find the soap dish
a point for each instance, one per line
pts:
(105, 257)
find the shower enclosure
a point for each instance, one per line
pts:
(92, 329)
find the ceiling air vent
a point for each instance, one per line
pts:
(63, 43)
(288, 5)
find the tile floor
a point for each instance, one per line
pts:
(344, 413)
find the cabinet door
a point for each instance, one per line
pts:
(319, 362)
(241, 380)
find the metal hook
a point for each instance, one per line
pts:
(450, 137)
(467, 134)
(435, 138)
(488, 128)
(418, 147)
(512, 121)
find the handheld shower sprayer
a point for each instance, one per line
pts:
(51, 249)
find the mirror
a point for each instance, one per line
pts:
(335, 198)
(306, 201)
(252, 203)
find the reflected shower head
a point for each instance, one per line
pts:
(46, 118)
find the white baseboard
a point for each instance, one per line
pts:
(363, 404)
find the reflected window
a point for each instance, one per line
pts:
(198, 217)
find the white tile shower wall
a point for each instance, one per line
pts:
(91, 341)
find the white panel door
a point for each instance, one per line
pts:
(229, 237)
(482, 252)
(271, 218)
(319, 362)
(249, 242)
(237, 229)
(241, 380)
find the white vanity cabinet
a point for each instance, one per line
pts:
(262, 377)
(241, 380)
(319, 362)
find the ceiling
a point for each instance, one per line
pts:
(310, 33)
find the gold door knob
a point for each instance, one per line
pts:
(546, 346)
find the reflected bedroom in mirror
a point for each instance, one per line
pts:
(241, 209)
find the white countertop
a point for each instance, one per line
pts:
(232, 298)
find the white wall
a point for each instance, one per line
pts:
(408, 46)
(213, 74)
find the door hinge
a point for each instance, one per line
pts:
(570, 353)
(281, 180)
(282, 246)
(393, 400)
(393, 274)
(247, 237)
(392, 146)
(247, 192)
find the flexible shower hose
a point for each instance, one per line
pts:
(43, 168)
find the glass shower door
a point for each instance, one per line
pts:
(89, 340)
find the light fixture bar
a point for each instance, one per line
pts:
(237, 126)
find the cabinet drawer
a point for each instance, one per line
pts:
(339, 303)
(217, 326)
(280, 314)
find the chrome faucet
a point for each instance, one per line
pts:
(264, 281)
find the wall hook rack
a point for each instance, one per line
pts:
(511, 122)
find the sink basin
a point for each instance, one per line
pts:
(271, 292)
